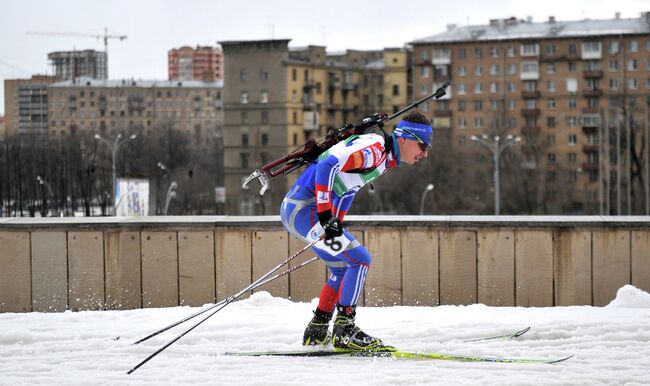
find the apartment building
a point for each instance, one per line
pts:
(200, 63)
(566, 87)
(2, 128)
(26, 102)
(121, 105)
(276, 97)
(68, 65)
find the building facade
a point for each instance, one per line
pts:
(200, 63)
(26, 104)
(568, 88)
(68, 65)
(276, 97)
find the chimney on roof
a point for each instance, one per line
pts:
(551, 19)
(494, 22)
(511, 21)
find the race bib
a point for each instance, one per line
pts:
(332, 246)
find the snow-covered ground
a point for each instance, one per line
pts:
(611, 345)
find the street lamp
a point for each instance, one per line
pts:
(114, 147)
(496, 147)
(171, 191)
(424, 195)
(42, 181)
(163, 167)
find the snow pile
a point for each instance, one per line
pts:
(611, 346)
(629, 296)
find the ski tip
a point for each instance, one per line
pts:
(521, 332)
(561, 359)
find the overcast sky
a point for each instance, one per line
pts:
(155, 26)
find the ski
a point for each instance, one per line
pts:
(513, 335)
(343, 353)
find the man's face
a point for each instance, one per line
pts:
(410, 151)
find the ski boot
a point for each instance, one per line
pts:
(347, 335)
(317, 331)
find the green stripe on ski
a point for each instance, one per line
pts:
(344, 353)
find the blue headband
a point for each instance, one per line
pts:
(421, 130)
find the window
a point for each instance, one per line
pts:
(632, 65)
(494, 87)
(244, 159)
(494, 105)
(572, 49)
(631, 84)
(424, 72)
(530, 49)
(550, 68)
(550, 139)
(264, 96)
(529, 67)
(530, 85)
(613, 65)
(424, 54)
(478, 105)
(244, 97)
(494, 52)
(243, 75)
(550, 85)
(478, 123)
(613, 84)
(512, 69)
(512, 122)
(591, 47)
(264, 137)
(550, 122)
(572, 122)
(478, 70)
(573, 176)
(551, 158)
(613, 48)
(478, 88)
(634, 46)
(244, 118)
(462, 105)
(462, 89)
(244, 135)
(511, 87)
(572, 66)
(510, 51)
(512, 104)
(592, 102)
(572, 139)
(478, 53)
(395, 90)
(424, 89)
(462, 53)
(530, 104)
(264, 75)
(572, 85)
(592, 84)
(294, 74)
(494, 69)
(572, 158)
(462, 123)
(550, 50)
(461, 139)
(550, 176)
(462, 71)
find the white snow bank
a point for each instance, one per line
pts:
(611, 346)
(629, 296)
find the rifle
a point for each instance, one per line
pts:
(312, 149)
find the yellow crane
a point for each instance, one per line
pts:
(104, 36)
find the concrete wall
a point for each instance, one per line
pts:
(50, 265)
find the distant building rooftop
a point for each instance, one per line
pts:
(83, 81)
(513, 28)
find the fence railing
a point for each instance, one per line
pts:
(55, 264)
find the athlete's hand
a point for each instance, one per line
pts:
(332, 225)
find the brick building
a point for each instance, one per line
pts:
(200, 63)
(275, 97)
(567, 88)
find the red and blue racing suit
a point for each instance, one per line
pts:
(331, 184)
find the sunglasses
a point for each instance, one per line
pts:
(421, 143)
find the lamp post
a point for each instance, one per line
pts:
(171, 191)
(496, 147)
(114, 147)
(42, 181)
(423, 196)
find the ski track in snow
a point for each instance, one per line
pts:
(611, 345)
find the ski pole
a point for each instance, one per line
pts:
(223, 304)
(249, 288)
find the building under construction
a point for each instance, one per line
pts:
(67, 65)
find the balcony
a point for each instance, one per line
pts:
(530, 130)
(349, 86)
(592, 93)
(530, 94)
(441, 59)
(590, 148)
(590, 166)
(530, 112)
(590, 110)
(442, 113)
(594, 74)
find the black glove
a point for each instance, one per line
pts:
(332, 225)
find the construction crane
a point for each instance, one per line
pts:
(105, 36)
